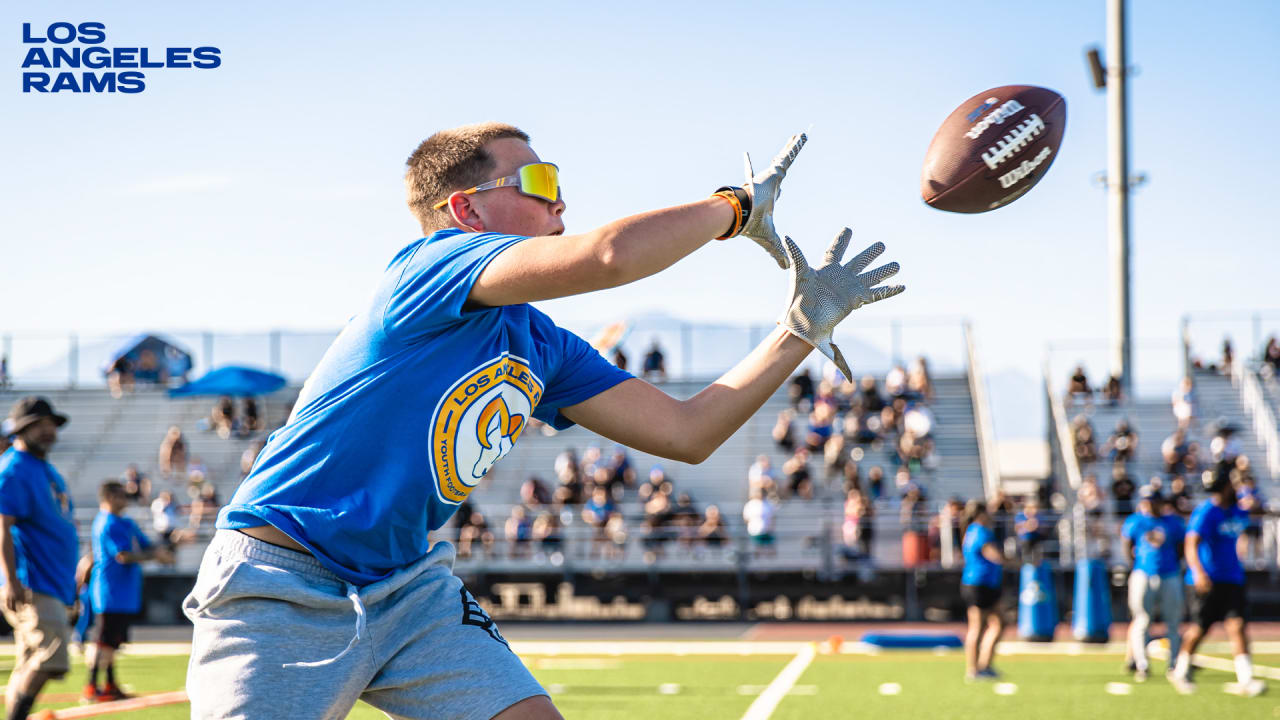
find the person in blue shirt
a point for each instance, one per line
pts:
(38, 552)
(321, 585)
(115, 585)
(1217, 579)
(1153, 539)
(1033, 529)
(1251, 500)
(980, 585)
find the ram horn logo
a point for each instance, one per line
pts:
(495, 427)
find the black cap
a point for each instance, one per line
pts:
(1216, 480)
(28, 410)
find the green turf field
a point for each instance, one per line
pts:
(645, 687)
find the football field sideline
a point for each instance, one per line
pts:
(613, 648)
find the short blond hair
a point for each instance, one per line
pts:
(448, 161)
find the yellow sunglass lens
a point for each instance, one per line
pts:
(541, 179)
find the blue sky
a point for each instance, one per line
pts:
(267, 193)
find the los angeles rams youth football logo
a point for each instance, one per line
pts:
(478, 421)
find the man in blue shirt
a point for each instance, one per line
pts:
(325, 543)
(1217, 579)
(1032, 529)
(1153, 539)
(38, 552)
(115, 585)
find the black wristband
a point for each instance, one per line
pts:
(744, 199)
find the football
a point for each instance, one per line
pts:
(993, 149)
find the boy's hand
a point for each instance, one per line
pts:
(13, 594)
(821, 298)
(764, 189)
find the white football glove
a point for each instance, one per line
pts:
(821, 298)
(764, 189)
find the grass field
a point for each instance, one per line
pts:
(627, 686)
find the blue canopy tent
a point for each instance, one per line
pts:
(233, 380)
(171, 360)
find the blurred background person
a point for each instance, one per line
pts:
(39, 551)
(1153, 538)
(980, 588)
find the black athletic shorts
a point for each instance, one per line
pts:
(113, 629)
(1224, 600)
(983, 597)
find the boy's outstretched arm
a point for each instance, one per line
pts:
(626, 250)
(643, 417)
(647, 419)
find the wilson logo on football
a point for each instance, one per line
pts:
(1007, 146)
(1010, 178)
(985, 106)
(478, 421)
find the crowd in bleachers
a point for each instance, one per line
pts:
(599, 495)
(1178, 477)
(825, 433)
(844, 427)
(861, 454)
(183, 498)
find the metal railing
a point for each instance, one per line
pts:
(988, 456)
(1062, 444)
(41, 359)
(814, 541)
(1205, 332)
(1244, 377)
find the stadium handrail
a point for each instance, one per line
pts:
(988, 456)
(1244, 377)
(52, 360)
(1061, 430)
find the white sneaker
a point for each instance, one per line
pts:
(1253, 688)
(1140, 675)
(1182, 684)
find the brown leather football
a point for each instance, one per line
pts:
(993, 149)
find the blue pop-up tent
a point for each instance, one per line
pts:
(170, 357)
(232, 380)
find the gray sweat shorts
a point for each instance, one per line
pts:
(278, 635)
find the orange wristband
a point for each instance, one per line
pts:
(737, 213)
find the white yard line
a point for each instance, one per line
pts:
(767, 702)
(1160, 652)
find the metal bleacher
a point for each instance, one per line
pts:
(722, 477)
(106, 434)
(1153, 420)
(803, 526)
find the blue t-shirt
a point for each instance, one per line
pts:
(408, 409)
(1036, 535)
(1259, 502)
(978, 570)
(44, 536)
(1218, 529)
(1156, 541)
(116, 587)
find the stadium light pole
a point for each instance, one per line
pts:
(1118, 187)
